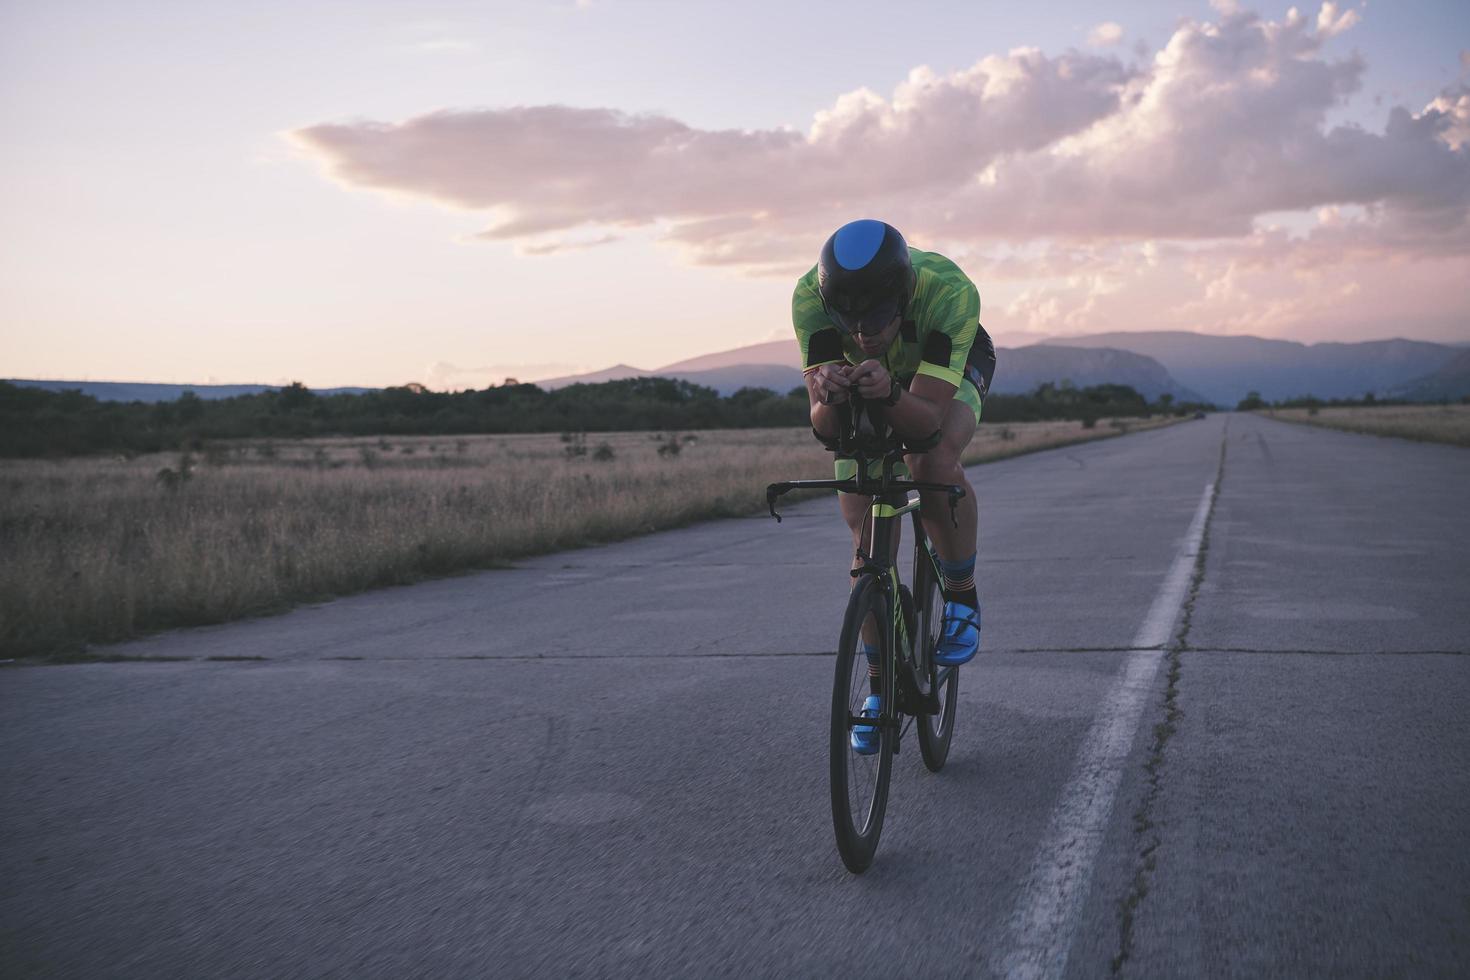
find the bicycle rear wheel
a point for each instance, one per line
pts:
(936, 730)
(859, 781)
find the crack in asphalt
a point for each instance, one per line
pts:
(1147, 837)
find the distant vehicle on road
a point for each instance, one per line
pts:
(1199, 414)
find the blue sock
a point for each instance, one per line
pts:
(959, 581)
(874, 673)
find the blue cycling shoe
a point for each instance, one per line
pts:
(865, 737)
(961, 637)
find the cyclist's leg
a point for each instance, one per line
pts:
(856, 509)
(942, 463)
(956, 545)
(953, 536)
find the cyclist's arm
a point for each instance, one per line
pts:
(825, 411)
(824, 365)
(919, 411)
(954, 305)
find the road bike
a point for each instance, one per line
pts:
(882, 613)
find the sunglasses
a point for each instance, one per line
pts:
(868, 323)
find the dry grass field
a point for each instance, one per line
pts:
(100, 549)
(1426, 423)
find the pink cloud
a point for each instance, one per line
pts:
(564, 245)
(548, 168)
(1116, 183)
(1105, 34)
(1227, 123)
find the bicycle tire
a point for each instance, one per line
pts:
(860, 788)
(936, 731)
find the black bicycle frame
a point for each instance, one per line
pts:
(867, 441)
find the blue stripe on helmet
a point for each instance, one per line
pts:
(857, 242)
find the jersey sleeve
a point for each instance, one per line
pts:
(820, 342)
(953, 315)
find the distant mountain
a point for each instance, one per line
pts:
(728, 380)
(618, 372)
(726, 371)
(725, 380)
(129, 391)
(772, 352)
(1451, 381)
(1019, 370)
(1225, 369)
(774, 365)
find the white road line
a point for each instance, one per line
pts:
(1040, 930)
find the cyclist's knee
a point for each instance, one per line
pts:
(941, 464)
(855, 511)
(938, 465)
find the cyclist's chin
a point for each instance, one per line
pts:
(872, 348)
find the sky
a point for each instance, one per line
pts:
(372, 193)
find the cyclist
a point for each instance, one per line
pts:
(901, 327)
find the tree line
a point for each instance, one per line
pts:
(36, 422)
(1253, 401)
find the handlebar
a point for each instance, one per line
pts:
(867, 439)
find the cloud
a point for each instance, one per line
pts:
(1083, 183)
(1449, 113)
(564, 245)
(544, 169)
(1228, 122)
(1105, 35)
(1228, 125)
(1331, 23)
(437, 37)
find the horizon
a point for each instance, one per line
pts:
(367, 198)
(653, 370)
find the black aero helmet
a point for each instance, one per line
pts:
(865, 276)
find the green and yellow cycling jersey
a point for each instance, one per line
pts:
(938, 329)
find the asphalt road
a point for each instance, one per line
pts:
(612, 762)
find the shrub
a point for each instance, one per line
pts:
(1251, 402)
(170, 478)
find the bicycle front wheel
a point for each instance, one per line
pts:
(936, 730)
(860, 767)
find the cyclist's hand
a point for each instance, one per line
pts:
(871, 379)
(831, 383)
